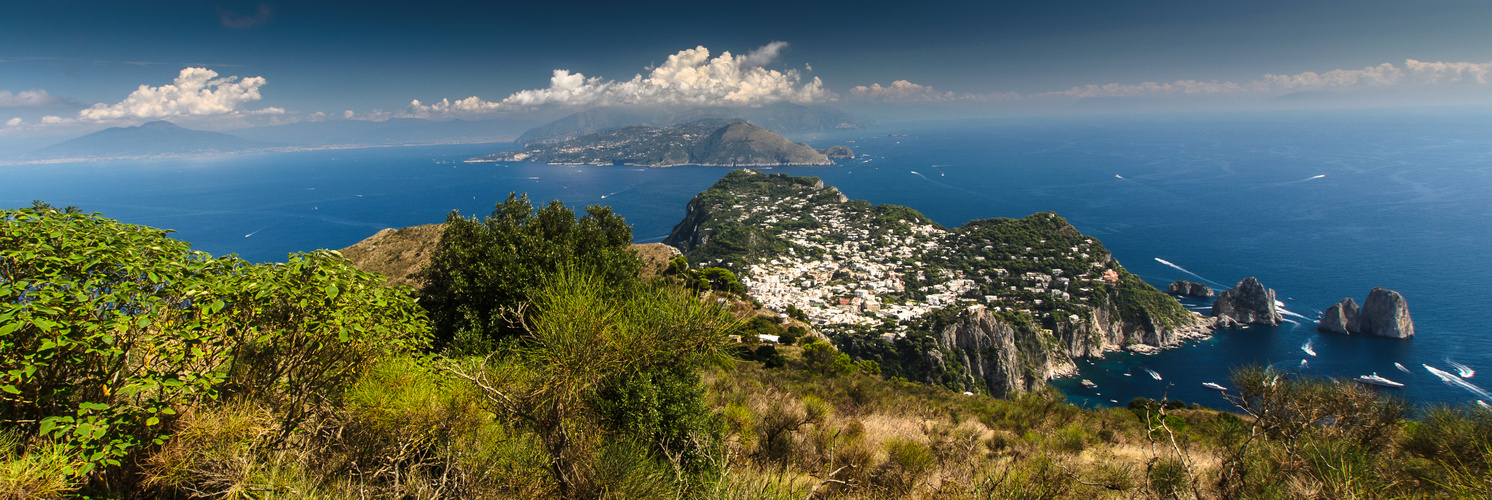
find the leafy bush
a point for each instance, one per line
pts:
(483, 270)
(107, 329)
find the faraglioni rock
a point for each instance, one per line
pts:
(1385, 314)
(1341, 317)
(1247, 303)
(1189, 289)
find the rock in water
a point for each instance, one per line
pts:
(1385, 314)
(1341, 318)
(1189, 289)
(1247, 303)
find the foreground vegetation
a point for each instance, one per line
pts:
(136, 368)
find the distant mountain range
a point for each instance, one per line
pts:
(781, 117)
(710, 142)
(158, 138)
(163, 138)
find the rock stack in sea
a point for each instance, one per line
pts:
(1384, 314)
(1189, 289)
(1247, 303)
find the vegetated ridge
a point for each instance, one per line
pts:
(996, 305)
(708, 142)
(783, 117)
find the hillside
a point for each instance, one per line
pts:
(783, 117)
(709, 142)
(997, 305)
(398, 254)
(157, 138)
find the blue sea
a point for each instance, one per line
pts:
(1318, 206)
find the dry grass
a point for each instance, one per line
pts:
(397, 254)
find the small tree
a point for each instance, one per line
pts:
(482, 268)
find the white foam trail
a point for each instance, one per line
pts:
(1316, 177)
(1303, 363)
(1462, 370)
(1402, 369)
(1117, 176)
(1452, 379)
(1484, 404)
(1307, 347)
(1182, 269)
(1152, 374)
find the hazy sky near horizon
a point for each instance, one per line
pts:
(76, 63)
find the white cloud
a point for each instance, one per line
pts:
(690, 77)
(49, 119)
(905, 91)
(195, 92)
(27, 98)
(765, 54)
(13, 122)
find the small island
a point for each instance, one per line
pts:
(708, 142)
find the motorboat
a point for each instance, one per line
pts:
(1374, 379)
(1213, 386)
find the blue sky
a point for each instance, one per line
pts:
(294, 60)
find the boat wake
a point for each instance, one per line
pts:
(1182, 269)
(1402, 368)
(1462, 370)
(1152, 374)
(1307, 348)
(1452, 379)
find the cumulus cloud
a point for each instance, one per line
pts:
(195, 92)
(234, 20)
(28, 98)
(690, 77)
(13, 122)
(1387, 75)
(765, 54)
(905, 91)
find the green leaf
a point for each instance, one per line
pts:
(332, 291)
(10, 389)
(152, 421)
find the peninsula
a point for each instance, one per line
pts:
(708, 142)
(996, 305)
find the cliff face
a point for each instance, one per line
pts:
(1341, 317)
(1004, 358)
(1247, 303)
(1386, 314)
(1009, 359)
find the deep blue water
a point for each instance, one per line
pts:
(1405, 203)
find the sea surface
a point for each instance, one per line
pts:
(1318, 206)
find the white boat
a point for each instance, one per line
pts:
(1402, 368)
(1484, 404)
(1374, 379)
(1213, 386)
(1307, 348)
(1088, 383)
(1152, 373)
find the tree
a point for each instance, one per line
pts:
(484, 267)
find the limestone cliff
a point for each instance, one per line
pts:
(1385, 314)
(1247, 303)
(1000, 357)
(1341, 317)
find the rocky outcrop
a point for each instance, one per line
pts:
(838, 153)
(1006, 359)
(1189, 289)
(1385, 314)
(1247, 303)
(1341, 318)
(992, 355)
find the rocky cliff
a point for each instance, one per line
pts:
(1341, 318)
(1247, 303)
(1385, 314)
(1000, 357)
(1189, 289)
